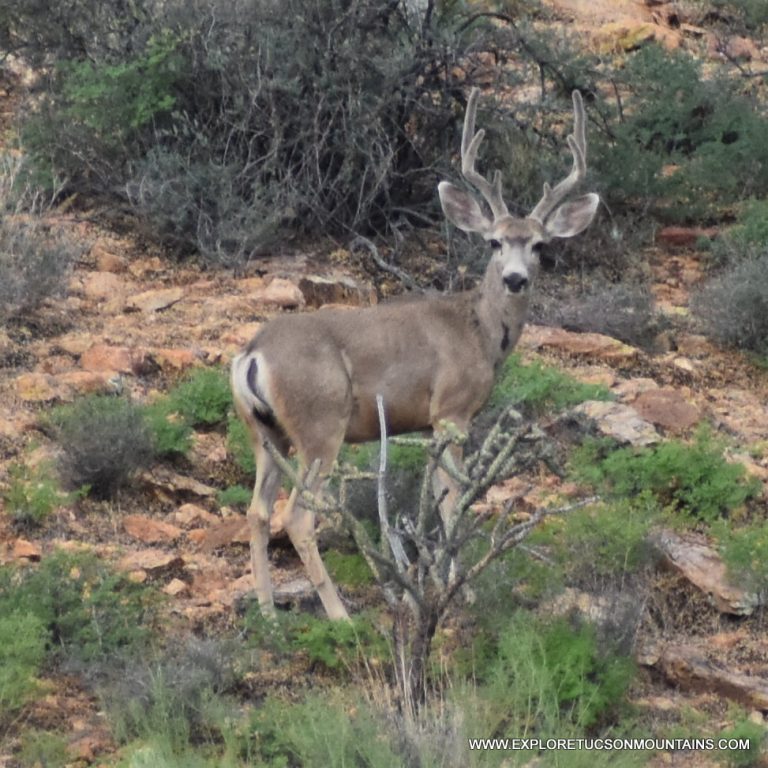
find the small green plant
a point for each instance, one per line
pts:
(171, 434)
(86, 611)
(104, 440)
(239, 444)
(537, 387)
(608, 540)
(235, 496)
(745, 553)
(33, 493)
(551, 677)
(203, 398)
(744, 758)
(44, 749)
(348, 570)
(23, 638)
(693, 479)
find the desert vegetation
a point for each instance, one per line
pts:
(171, 176)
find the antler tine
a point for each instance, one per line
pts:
(577, 141)
(470, 143)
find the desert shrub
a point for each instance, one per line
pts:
(34, 263)
(23, 638)
(703, 129)
(239, 444)
(235, 496)
(536, 387)
(85, 610)
(733, 307)
(203, 398)
(41, 748)
(745, 553)
(103, 441)
(624, 311)
(171, 433)
(550, 678)
(744, 729)
(607, 542)
(33, 493)
(693, 479)
(347, 570)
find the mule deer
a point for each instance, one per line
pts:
(310, 381)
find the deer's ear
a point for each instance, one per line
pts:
(574, 217)
(462, 209)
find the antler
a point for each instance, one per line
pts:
(470, 143)
(577, 141)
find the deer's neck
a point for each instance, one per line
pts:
(501, 314)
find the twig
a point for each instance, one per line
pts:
(404, 277)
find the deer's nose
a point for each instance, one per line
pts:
(515, 282)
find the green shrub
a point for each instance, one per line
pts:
(537, 387)
(551, 679)
(239, 444)
(23, 638)
(33, 494)
(347, 570)
(47, 750)
(235, 496)
(733, 307)
(203, 398)
(693, 479)
(104, 441)
(85, 610)
(171, 434)
(745, 553)
(744, 758)
(607, 541)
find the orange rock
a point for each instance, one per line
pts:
(26, 550)
(667, 408)
(106, 261)
(102, 285)
(155, 300)
(683, 237)
(591, 345)
(36, 387)
(175, 359)
(150, 531)
(175, 587)
(187, 514)
(103, 357)
(280, 293)
(151, 560)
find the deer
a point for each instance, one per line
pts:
(310, 380)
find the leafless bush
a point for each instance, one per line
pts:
(733, 307)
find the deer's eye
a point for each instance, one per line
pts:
(495, 245)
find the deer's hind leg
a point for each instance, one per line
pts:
(267, 483)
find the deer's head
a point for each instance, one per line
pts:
(516, 243)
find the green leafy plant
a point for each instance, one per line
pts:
(171, 434)
(235, 496)
(693, 479)
(41, 748)
(86, 611)
(348, 570)
(537, 387)
(33, 493)
(745, 553)
(239, 444)
(104, 441)
(23, 638)
(551, 678)
(745, 729)
(203, 398)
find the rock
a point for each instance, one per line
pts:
(103, 357)
(338, 289)
(629, 389)
(667, 408)
(150, 531)
(164, 479)
(208, 447)
(74, 343)
(100, 286)
(624, 36)
(150, 560)
(684, 237)
(591, 345)
(704, 568)
(187, 514)
(241, 335)
(155, 300)
(687, 668)
(176, 587)
(170, 359)
(88, 382)
(735, 48)
(279, 293)
(233, 530)
(621, 422)
(293, 591)
(26, 550)
(106, 261)
(37, 387)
